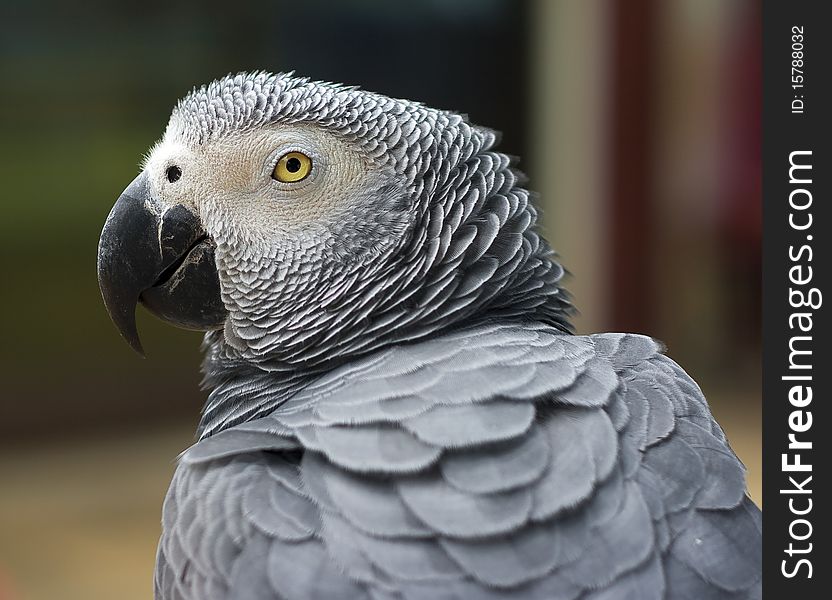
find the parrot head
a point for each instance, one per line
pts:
(297, 220)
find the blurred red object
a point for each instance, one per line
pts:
(6, 591)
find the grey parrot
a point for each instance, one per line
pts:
(398, 405)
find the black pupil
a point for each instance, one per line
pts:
(173, 173)
(293, 165)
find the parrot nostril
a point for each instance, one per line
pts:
(173, 173)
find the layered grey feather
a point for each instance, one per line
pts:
(421, 423)
(520, 487)
(471, 247)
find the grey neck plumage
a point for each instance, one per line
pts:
(473, 253)
(242, 390)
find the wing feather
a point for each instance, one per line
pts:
(495, 461)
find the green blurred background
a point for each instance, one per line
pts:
(637, 120)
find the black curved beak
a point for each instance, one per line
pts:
(162, 258)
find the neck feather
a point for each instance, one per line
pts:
(473, 254)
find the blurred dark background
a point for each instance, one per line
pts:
(638, 122)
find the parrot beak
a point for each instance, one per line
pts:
(160, 257)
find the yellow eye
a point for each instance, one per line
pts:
(292, 167)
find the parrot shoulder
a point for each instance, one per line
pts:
(502, 460)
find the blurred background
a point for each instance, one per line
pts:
(637, 120)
